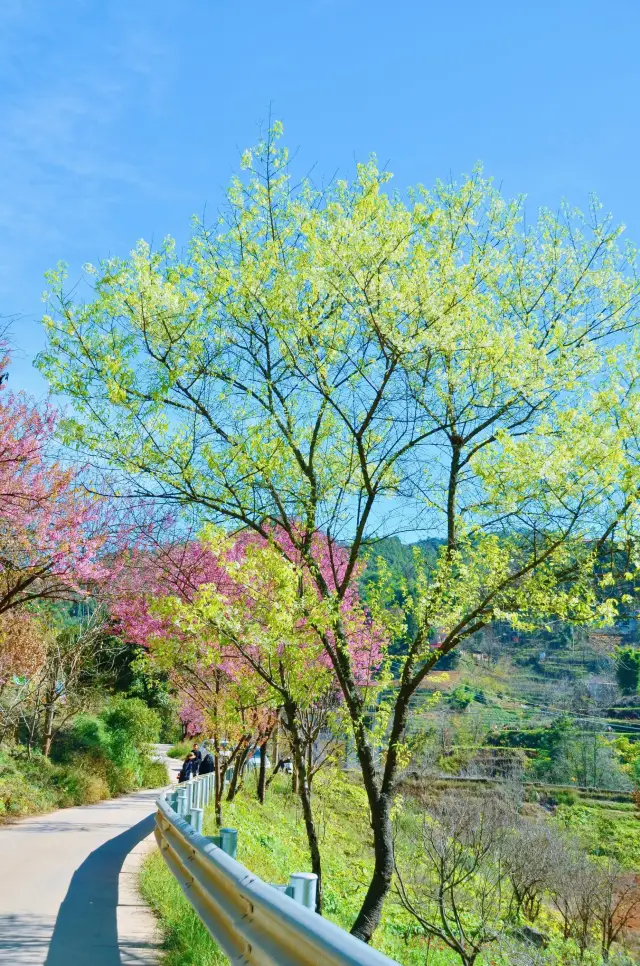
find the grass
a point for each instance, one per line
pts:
(604, 830)
(272, 844)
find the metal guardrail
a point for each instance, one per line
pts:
(254, 923)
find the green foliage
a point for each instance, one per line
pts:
(153, 688)
(132, 718)
(399, 562)
(87, 734)
(153, 774)
(605, 831)
(461, 697)
(97, 757)
(628, 669)
(26, 784)
(80, 784)
(180, 750)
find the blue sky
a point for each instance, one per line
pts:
(119, 120)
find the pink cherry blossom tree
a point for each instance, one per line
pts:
(51, 528)
(229, 617)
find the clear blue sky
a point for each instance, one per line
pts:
(120, 119)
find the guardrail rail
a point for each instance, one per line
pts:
(253, 922)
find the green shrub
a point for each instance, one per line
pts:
(88, 733)
(154, 774)
(80, 786)
(23, 788)
(180, 750)
(133, 718)
(96, 758)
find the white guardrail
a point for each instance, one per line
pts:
(254, 923)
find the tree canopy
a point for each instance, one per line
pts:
(353, 363)
(50, 527)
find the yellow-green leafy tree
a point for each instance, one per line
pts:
(351, 362)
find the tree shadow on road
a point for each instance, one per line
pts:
(24, 938)
(86, 929)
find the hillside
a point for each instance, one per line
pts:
(543, 705)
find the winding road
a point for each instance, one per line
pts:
(68, 886)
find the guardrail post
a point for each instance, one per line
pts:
(303, 887)
(181, 804)
(195, 819)
(229, 841)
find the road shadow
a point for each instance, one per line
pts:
(86, 929)
(24, 938)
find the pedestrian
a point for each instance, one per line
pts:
(197, 754)
(207, 766)
(189, 768)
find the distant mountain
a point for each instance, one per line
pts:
(399, 558)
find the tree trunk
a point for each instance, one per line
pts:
(305, 798)
(371, 910)
(49, 715)
(276, 743)
(237, 769)
(218, 778)
(310, 762)
(262, 778)
(380, 796)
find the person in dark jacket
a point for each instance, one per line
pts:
(189, 768)
(195, 751)
(206, 767)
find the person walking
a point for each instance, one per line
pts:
(189, 768)
(197, 754)
(207, 766)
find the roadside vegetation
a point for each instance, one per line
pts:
(531, 885)
(96, 757)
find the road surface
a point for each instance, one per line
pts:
(68, 893)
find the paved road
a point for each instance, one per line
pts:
(67, 886)
(173, 764)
